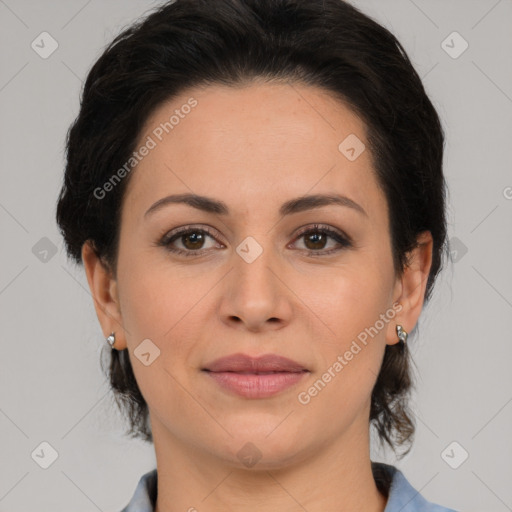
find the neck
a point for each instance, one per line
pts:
(337, 476)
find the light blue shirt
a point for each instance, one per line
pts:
(402, 497)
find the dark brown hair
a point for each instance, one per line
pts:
(324, 43)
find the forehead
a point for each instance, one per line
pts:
(258, 142)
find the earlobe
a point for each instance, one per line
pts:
(412, 285)
(103, 288)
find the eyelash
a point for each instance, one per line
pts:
(343, 240)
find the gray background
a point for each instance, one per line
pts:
(51, 385)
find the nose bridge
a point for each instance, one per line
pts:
(255, 292)
(255, 256)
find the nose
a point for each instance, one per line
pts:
(255, 296)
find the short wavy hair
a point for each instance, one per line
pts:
(324, 43)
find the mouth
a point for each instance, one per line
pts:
(255, 377)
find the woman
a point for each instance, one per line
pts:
(255, 189)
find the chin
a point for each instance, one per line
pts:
(255, 448)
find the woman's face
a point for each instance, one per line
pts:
(254, 283)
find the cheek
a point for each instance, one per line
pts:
(167, 306)
(153, 309)
(154, 296)
(350, 345)
(346, 300)
(349, 325)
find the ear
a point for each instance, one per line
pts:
(103, 287)
(410, 287)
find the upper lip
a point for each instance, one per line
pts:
(245, 363)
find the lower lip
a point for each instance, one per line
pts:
(251, 385)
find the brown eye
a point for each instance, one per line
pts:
(188, 241)
(317, 238)
(193, 240)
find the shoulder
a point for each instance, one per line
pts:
(144, 497)
(402, 496)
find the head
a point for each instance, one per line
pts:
(254, 104)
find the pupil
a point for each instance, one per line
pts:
(318, 239)
(195, 237)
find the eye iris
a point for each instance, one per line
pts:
(317, 238)
(194, 237)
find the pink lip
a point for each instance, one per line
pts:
(244, 363)
(259, 377)
(256, 385)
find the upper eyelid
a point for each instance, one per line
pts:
(186, 229)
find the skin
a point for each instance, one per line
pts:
(255, 147)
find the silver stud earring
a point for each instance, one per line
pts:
(111, 339)
(402, 334)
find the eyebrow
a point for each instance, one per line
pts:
(299, 204)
